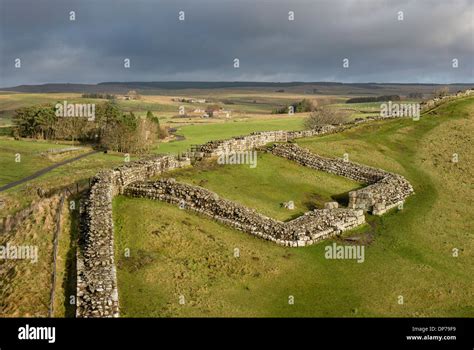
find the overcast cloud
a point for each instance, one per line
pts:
(91, 49)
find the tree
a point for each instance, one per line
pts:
(115, 130)
(35, 121)
(325, 115)
(120, 132)
(441, 92)
(302, 106)
(212, 108)
(154, 122)
(415, 95)
(75, 129)
(106, 114)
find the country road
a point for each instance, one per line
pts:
(44, 171)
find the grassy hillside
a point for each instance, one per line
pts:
(175, 253)
(25, 284)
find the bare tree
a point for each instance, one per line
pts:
(441, 92)
(326, 115)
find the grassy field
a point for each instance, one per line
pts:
(202, 133)
(33, 160)
(272, 182)
(241, 104)
(32, 157)
(176, 254)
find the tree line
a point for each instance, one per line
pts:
(111, 129)
(382, 98)
(99, 95)
(302, 106)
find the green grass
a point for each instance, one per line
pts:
(202, 133)
(365, 109)
(273, 181)
(175, 253)
(31, 159)
(25, 286)
(22, 195)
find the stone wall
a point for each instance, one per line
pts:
(97, 294)
(259, 139)
(434, 102)
(305, 230)
(385, 191)
(256, 140)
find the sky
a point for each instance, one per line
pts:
(259, 33)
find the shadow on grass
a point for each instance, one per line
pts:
(70, 279)
(343, 198)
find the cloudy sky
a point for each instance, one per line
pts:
(270, 47)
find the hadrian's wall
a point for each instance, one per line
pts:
(259, 139)
(434, 102)
(385, 191)
(97, 294)
(304, 230)
(256, 140)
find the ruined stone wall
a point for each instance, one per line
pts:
(97, 294)
(258, 139)
(434, 102)
(304, 230)
(385, 191)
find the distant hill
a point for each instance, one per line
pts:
(163, 85)
(306, 87)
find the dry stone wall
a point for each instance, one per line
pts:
(304, 230)
(385, 191)
(97, 294)
(256, 140)
(434, 102)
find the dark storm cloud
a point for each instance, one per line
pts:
(270, 48)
